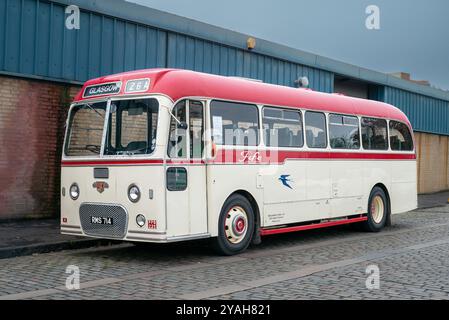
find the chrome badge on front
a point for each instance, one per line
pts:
(100, 186)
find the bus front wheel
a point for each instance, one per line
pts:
(235, 226)
(377, 210)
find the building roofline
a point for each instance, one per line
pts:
(163, 20)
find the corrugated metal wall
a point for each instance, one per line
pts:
(34, 41)
(426, 114)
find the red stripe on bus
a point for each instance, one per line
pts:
(110, 162)
(170, 161)
(265, 232)
(267, 156)
(251, 157)
(128, 162)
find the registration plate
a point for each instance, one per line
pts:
(101, 220)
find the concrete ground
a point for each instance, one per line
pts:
(26, 237)
(409, 260)
(433, 199)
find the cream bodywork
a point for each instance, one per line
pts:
(321, 189)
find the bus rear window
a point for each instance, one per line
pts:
(400, 137)
(234, 123)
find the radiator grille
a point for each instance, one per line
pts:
(117, 213)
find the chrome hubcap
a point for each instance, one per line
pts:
(236, 224)
(377, 209)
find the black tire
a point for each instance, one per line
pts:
(376, 223)
(224, 246)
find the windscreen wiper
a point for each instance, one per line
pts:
(93, 109)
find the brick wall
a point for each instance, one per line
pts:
(32, 116)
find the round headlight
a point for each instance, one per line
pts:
(140, 220)
(74, 191)
(133, 193)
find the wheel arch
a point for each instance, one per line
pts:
(251, 200)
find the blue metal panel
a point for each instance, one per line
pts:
(118, 54)
(190, 54)
(180, 51)
(56, 42)
(130, 47)
(12, 35)
(426, 114)
(83, 48)
(28, 36)
(36, 43)
(43, 38)
(3, 24)
(107, 46)
(95, 35)
(239, 63)
(141, 47)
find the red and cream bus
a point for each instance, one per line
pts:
(166, 155)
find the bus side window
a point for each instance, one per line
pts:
(177, 138)
(344, 132)
(316, 129)
(196, 129)
(282, 128)
(234, 123)
(374, 134)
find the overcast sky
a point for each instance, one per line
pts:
(413, 35)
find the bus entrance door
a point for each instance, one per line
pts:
(186, 171)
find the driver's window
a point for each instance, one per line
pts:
(134, 128)
(177, 138)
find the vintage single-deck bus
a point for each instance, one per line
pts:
(166, 155)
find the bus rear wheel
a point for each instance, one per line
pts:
(377, 211)
(235, 226)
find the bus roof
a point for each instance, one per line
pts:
(178, 83)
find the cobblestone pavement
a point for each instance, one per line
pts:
(412, 257)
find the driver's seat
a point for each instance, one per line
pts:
(136, 145)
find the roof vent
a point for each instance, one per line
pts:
(302, 82)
